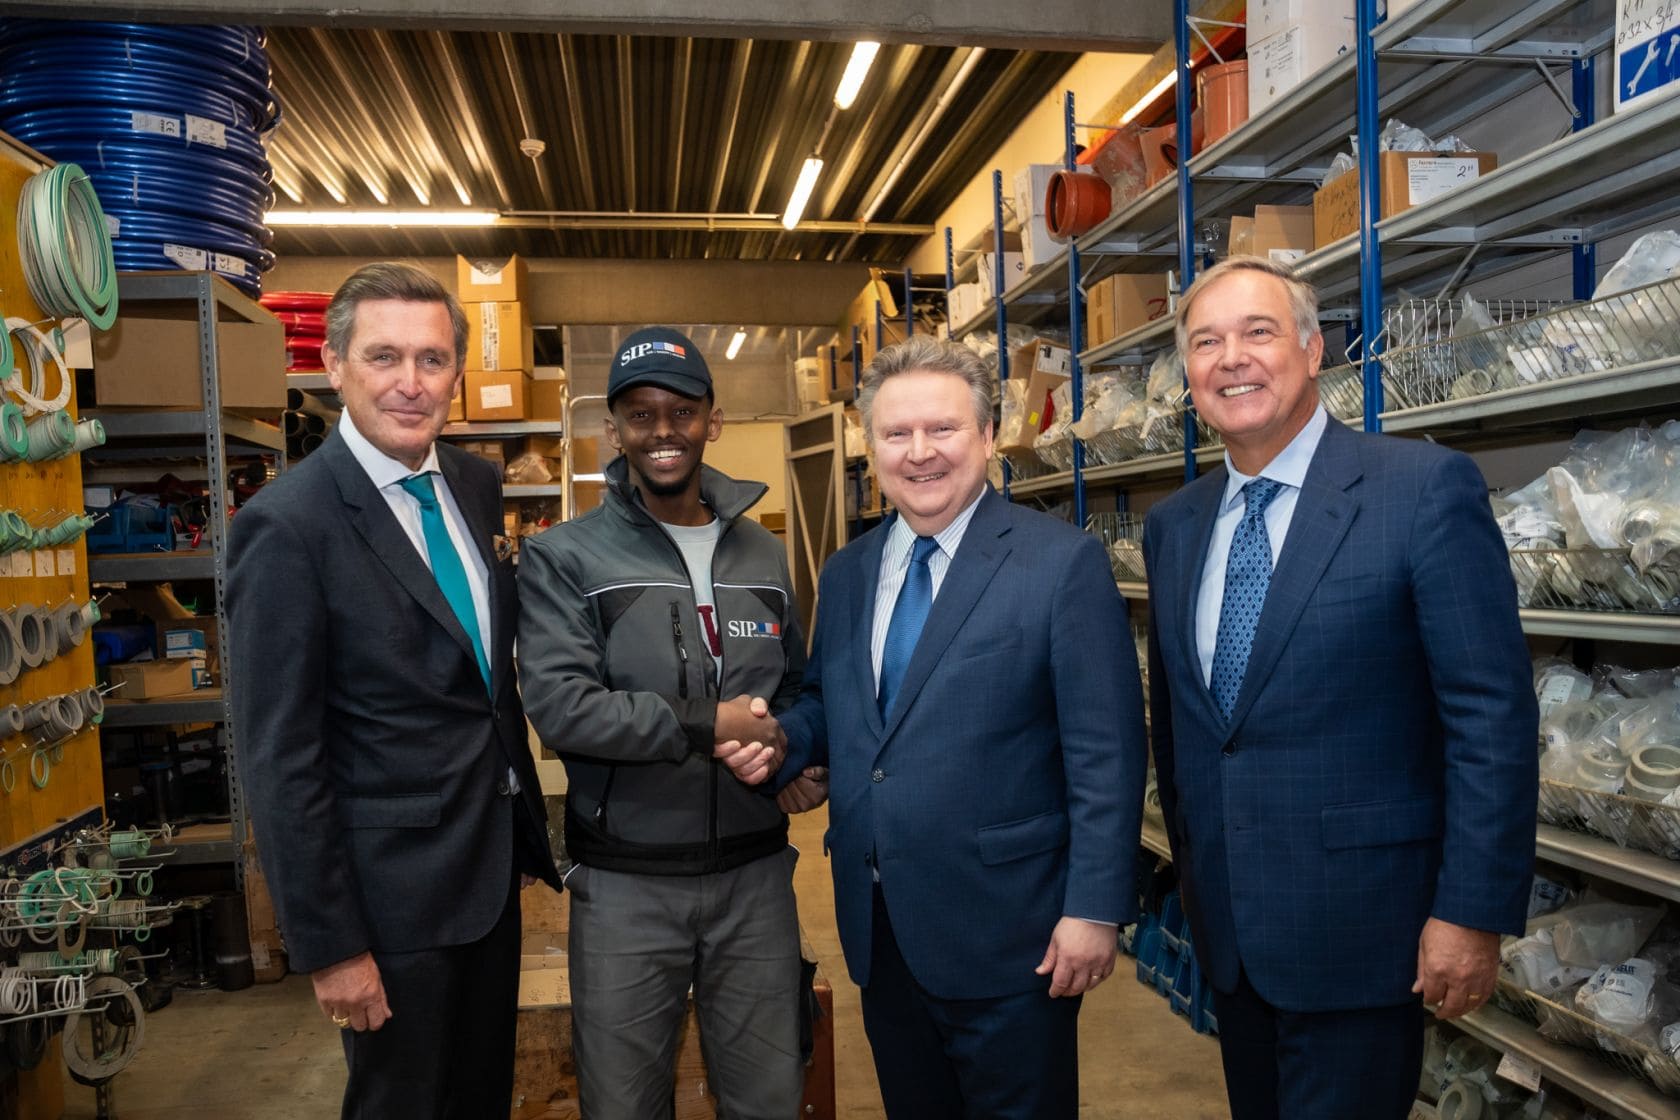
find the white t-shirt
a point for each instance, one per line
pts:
(698, 543)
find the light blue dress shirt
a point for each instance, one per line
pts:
(1290, 469)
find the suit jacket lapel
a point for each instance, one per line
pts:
(1323, 514)
(1194, 537)
(972, 568)
(866, 584)
(385, 538)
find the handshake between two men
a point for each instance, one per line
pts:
(752, 745)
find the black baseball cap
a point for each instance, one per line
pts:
(663, 357)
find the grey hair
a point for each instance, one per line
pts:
(1303, 298)
(391, 280)
(925, 354)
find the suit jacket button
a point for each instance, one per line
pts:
(877, 775)
(1229, 749)
(503, 788)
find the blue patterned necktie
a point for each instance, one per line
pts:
(1248, 573)
(447, 568)
(909, 615)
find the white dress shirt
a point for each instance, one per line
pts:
(388, 475)
(1290, 469)
(895, 564)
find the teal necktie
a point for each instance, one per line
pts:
(447, 569)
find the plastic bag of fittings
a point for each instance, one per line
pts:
(1630, 1000)
(857, 446)
(1398, 136)
(1545, 896)
(1651, 530)
(1638, 684)
(1557, 682)
(529, 469)
(1106, 397)
(1597, 933)
(1011, 428)
(1652, 258)
(1532, 964)
(1341, 165)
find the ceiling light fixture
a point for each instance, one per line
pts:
(863, 56)
(435, 219)
(802, 192)
(1148, 99)
(735, 346)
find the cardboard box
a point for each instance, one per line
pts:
(839, 384)
(483, 281)
(965, 301)
(150, 680)
(1405, 179)
(548, 399)
(1241, 243)
(498, 336)
(586, 455)
(1282, 62)
(1044, 365)
(861, 314)
(1014, 269)
(153, 362)
(549, 447)
(586, 496)
(187, 643)
(498, 394)
(458, 403)
(1032, 183)
(1123, 303)
(268, 948)
(1283, 234)
(1268, 17)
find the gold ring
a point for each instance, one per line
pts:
(341, 1021)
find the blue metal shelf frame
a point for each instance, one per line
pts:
(1002, 312)
(1581, 93)
(1186, 197)
(1076, 326)
(1370, 210)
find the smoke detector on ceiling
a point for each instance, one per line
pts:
(532, 147)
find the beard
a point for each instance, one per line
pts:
(669, 489)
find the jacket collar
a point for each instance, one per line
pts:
(727, 497)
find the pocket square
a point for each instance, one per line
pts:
(505, 546)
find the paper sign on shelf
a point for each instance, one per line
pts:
(1519, 1071)
(66, 561)
(1647, 48)
(44, 563)
(1429, 179)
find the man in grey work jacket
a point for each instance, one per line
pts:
(636, 619)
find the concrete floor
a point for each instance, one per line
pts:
(266, 1053)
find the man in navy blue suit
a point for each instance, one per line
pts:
(974, 692)
(1342, 716)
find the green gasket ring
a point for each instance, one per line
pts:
(39, 768)
(8, 776)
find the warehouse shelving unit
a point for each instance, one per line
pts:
(1441, 63)
(216, 436)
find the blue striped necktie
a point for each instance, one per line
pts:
(447, 568)
(1248, 574)
(909, 615)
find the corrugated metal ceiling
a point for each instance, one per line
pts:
(410, 119)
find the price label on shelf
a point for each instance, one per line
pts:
(44, 563)
(17, 566)
(1519, 1071)
(66, 561)
(1431, 177)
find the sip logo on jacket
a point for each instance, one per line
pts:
(739, 628)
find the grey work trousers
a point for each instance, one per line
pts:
(637, 944)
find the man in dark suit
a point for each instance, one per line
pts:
(1343, 721)
(974, 691)
(379, 731)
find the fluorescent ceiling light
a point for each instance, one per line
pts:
(735, 346)
(1148, 99)
(802, 192)
(863, 56)
(424, 218)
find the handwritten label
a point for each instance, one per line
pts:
(1520, 1071)
(155, 123)
(203, 130)
(66, 561)
(193, 260)
(1647, 48)
(490, 335)
(44, 563)
(495, 396)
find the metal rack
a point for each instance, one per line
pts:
(209, 432)
(1440, 64)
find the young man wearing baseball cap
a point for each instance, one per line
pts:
(636, 620)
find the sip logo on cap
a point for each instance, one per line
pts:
(742, 629)
(634, 353)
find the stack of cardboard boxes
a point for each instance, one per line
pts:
(502, 381)
(1289, 41)
(1122, 303)
(1042, 364)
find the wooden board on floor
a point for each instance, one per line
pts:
(544, 1072)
